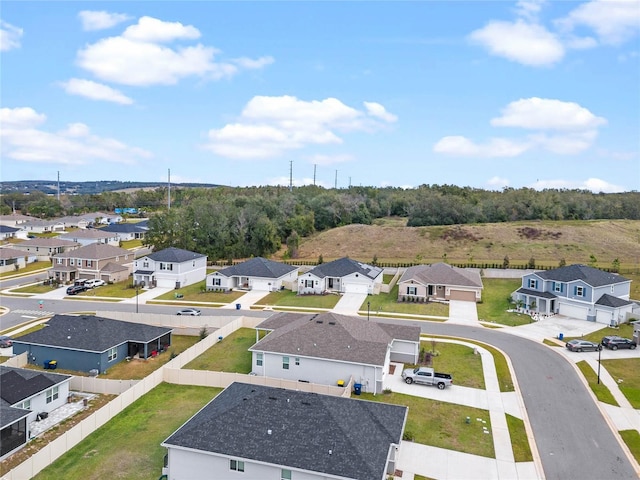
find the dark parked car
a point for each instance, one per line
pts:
(581, 345)
(5, 341)
(614, 343)
(75, 289)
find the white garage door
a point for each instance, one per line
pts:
(604, 316)
(355, 288)
(573, 311)
(261, 285)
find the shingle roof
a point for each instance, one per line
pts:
(258, 267)
(46, 243)
(90, 333)
(607, 300)
(9, 415)
(16, 384)
(332, 336)
(442, 274)
(96, 251)
(174, 255)
(589, 275)
(329, 435)
(7, 229)
(345, 266)
(535, 293)
(6, 253)
(89, 233)
(123, 228)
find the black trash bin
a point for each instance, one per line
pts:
(50, 364)
(357, 388)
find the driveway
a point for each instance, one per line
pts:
(463, 312)
(248, 299)
(349, 303)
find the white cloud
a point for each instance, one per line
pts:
(95, 91)
(529, 9)
(251, 64)
(519, 41)
(75, 145)
(269, 126)
(9, 36)
(498, 182)
(376, 110)
(580, 43)
(99, 20)
(138, 57)
(613, 21)
(595, 185)
(325, 160)
(495, 147)
(569, 143)
(547, 114)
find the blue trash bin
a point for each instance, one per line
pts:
(560, 336)
(357, 388)
(237, 306)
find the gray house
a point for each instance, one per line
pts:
(439, 281)
(85, 343)
(327, 348)
(343, 276)
(170, 268)
(23, 395)
(258, 432)
(576, 291)
(254, 274)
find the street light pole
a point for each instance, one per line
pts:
(368, 305)
(136, 297)
(599, 350)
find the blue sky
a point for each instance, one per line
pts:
(540, 94)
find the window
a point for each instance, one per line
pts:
(52, 394)
(285, 363)
(60, 261)
(162, 266)
(308, 283)
(579, 292)
(412, 290)
(297, 360)
(216, 282)
(612, 289)
(259, 358)
(89, 263)
(145, 264)
(557, 287)
(26, 405)
(112, 354)
(71, 261)
(533, 283)
(285, 474)
(236, 465)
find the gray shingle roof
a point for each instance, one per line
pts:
(6, 253)
(90, 234)
(123, 228)
(332, 336)
(9, 415)
(90, 333)
(442, 274)
(96, 251)
(535, 293)
(607, 300)
(258, 267)
(17, 384)
(345, 266)
(338, 436)
(7, 229)
(589, 275)
(174, 255)
(46, 242)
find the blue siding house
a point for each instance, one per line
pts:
(84, 343)
(576, 291)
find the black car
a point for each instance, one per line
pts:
(581, 345)
(5, 341)
(75, 289)
(614, 343)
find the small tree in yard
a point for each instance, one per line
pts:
(203, 333)
(532, 263)
(505, 262)
(615, 266)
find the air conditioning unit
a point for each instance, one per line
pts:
(94, 372)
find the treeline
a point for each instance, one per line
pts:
(227, 223)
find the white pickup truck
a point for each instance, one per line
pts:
(427, 376)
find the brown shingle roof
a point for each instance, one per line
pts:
(442, 274)
(96, 251)
(46, 242)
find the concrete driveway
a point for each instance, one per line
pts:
(247, 299)
(350, 303)
(463, 312)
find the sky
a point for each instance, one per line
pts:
(483, 94)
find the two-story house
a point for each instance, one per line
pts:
(96, 260)
(170, 268)
(576, 291)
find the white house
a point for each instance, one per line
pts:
(327, 348)
(343, 275)
(89, 236)
(258, 432)
(170, 268)
(254, 274)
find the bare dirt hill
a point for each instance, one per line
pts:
(546, 242)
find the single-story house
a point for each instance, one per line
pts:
(439, 281)
(12, 259)
(14, 219)
(8, 232)
(101, 218)
(343, 275)
(327, 347)
(125, 231)
(24, 394)
(92, 261)
(85, 342)
(74, 221)
(259, 432)
(576, 291)
(42, 226)
(170, 268)
(254, 274)
(45, 248)
(89, 236)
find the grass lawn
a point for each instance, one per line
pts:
(627, 370)
(495, 302)
(632, 439)
(129, 244)
(442, 424)
(129, 445)
(458, 360)
(229, 355)
(122, 289)
(601, 392)
(625, 330)
(519, 440)
(388, 303)
(197, 293)
(31, 267)
(36, 288)
(287, 298)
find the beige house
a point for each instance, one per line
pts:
(439, 281)
(12, 259)
(14, 220)
(106, 262)
(88, 236)
(45, 248)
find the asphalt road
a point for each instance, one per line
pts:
(573, 438)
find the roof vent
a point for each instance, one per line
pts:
(319, 321)
(332, 323)
(272, 398)
(269, 432)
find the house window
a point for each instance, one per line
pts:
(412, 290)
(533, 283)
(71, 261)
(308, 283)
(112, 354)
(89, 263)
(285, 474)
(236, 465)
(579, 292)
(612, 289)
(216, 282)
(557, 287)
(60, 261)
(26, 405)
(52, 394)
(285, 363)
(162, 266)
(259, 358)
(297, 360)
(145, 264)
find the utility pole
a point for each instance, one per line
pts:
(335, 182)
(169, 186)
(314, 174)
(291, 175)
(58, 186)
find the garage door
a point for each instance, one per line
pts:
(605, 316)
(261, 285)
(355, 288)
(462, 295)
(574, 312)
